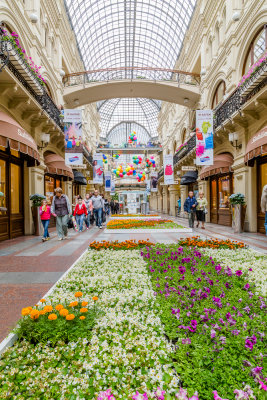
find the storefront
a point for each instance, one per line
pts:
(190, 179)
(256, 156)
(78, 181)
(221, 187)
(18, 150)
(57, 172)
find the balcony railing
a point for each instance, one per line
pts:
(240, 96)
(17, 66)
(161, 173)
(191, 144)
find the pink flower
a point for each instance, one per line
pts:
(263, 386)
(239, 273)
(107, 395)
(194, 397)
(140, 396)
(216, 396)
(182, 394)
(160, 394)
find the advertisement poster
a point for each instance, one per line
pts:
(73, 135)
(112, 192)
(74, 159)
(98, 169)
(131, 203)
(108, 181)
(148, 187)
(168, 169)
(154, 181)
(204, 137)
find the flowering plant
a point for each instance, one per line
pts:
(51, 322)
(115, 245)
(237, 198)
(196, 241)
(181, 146)
(37, 199)
(14, 40)
(213, 317)
(252, 70)
(142, 224)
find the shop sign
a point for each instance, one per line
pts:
(74, 159)
(112, 192)
(168, 169)
(98, 169)
(204, 137)
(188, 168)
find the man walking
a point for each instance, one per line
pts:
(89, 207)
(98, 205)
(61, 209)
(190, 207)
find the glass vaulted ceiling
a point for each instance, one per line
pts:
(127, 33)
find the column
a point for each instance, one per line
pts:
(165, 199)
(245, 181)
(203, 186)
(184, 194)
(159, 200)
(34, 179)
(174, 193)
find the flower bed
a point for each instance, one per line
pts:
(215, 320)
(133, 215)
(195, 241)
(116, 245)
(127, 353)
(143, 224)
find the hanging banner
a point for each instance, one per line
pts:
(154, 182)
(73, 136)
(98, 169)
(204, 137)
(148, 188)
(107, 181)
(168, 169)
(112, 192)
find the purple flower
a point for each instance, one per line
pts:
(160, 394)
(222, 339)
(212, 333)
(235, 332)
(248, 344)
(198, 279)
(182, 270)
(256, 372)
(139, 396)
(186, 341)
(247, 286)
(239, 273)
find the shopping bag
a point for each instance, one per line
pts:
(75, 226)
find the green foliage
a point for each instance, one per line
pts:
(237, 198)
(43, 330)
(37, 199)
(115, 197)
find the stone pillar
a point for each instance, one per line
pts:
(83, 190)
(165, 199)
(159, 200)
(204, 186)
(68, 190)
(174, 193)
(34, 179)
(184, 194)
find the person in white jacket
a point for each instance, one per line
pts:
(264, 205)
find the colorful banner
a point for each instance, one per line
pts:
(112, 192)
(98, 169)
(73, 135)
(107, 181)
(154, 181)
(204, 137)
(168, 169)
(75, 159)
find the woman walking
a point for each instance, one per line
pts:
(45, 213)
(201, 209)
(80, 213)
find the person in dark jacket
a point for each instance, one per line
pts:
(190, 205)
(61, 209)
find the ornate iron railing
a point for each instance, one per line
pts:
(191, 144)
(241, 95)
(41, 96)
(161, 173)
(130, 73)
(87, 155)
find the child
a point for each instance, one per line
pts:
(45, 213)
(80, 212)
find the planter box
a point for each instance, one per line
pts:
(36, 221)
(238, 220)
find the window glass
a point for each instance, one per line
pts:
(214, 194)
(49, 188)
(257, 49)
(3, 188)
(15, 185)
(224, 185)
(219, 94)
(263, 176)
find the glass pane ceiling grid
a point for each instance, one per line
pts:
(127, 33)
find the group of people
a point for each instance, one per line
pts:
(196, 208)
(93, 205)
(114, 207)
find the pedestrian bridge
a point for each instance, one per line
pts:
(162, 84)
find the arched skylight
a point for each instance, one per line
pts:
(121, 132)
(136, 114)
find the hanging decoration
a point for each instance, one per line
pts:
(132, 138)
(129, 170)
(141, 176)
(116, 155)
(137, 160)
(150, 162)
(105, 159)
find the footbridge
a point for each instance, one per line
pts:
(154, 83)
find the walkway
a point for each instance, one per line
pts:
(29, 267)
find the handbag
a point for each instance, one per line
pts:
(205, 210)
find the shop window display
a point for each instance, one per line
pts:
(3, 187)
(15, 182)
(224, 191)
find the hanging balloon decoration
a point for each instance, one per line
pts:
(105, 159)
(130, 170)
(137, 160)
(116, 155)
(132, 138)
(141, 176)
(150, 162)
(119, 171)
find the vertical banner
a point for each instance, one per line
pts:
(204, 137)
(73, 137)
(98, 169)
(107, 181)
(148, 188)
(154, 181)
(168, 169)
(112, 192)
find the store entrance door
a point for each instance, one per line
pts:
(11, 197)
(262, 181)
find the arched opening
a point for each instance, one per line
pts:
(218, 94)
(183, 135)
(257, 49)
